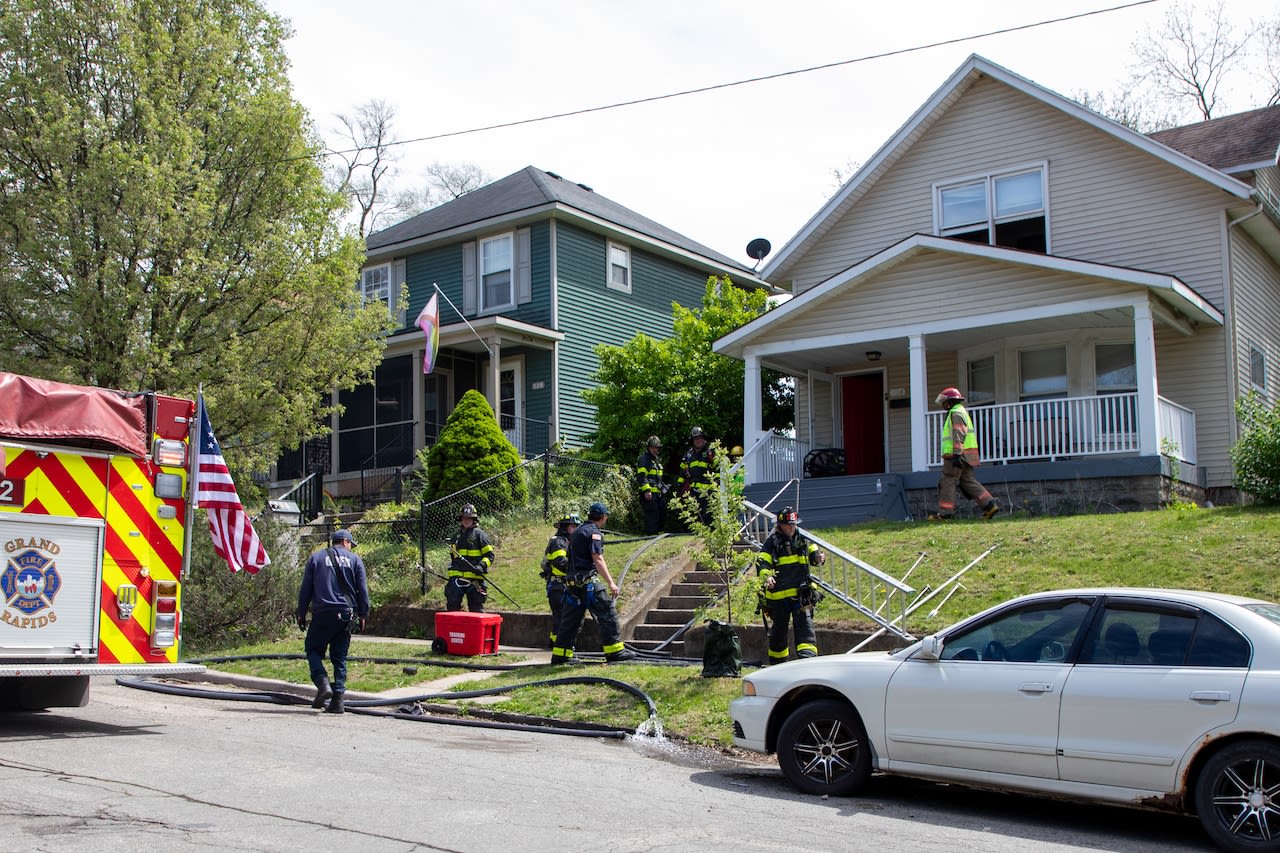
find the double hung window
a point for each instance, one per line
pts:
(1005, 209)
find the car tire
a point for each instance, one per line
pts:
(823, 749)
(1236, 796)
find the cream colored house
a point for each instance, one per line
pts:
(1101, 297)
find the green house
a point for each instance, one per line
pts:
(531, 272)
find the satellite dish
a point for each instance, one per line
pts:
(758, 248)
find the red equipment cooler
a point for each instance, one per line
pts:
(466, 633)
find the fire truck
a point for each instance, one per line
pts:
(95, 529)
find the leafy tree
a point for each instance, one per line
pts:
(472, 450)
(1256, 455)
(651, 387)
(164, 221)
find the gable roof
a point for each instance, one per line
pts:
(970, 71)
(1236, 143)
(531, 192)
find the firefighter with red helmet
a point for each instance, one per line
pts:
(788, 592)
(555, 566)
(959, 458)
(472, 556)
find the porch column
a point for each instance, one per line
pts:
(1144, 351)
(495, 376)
(919, 403)
(752, 409)
(419, 429)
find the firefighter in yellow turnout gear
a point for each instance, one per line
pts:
(555, 566)
(783, 565)
(472, 556)
(959, 457)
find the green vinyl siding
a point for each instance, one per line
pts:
(443, 266)
(591, 313)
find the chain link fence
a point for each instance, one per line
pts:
(406, 547)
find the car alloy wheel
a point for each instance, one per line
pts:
(822, 748)
(1238, 796)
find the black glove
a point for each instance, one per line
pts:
(302, 621)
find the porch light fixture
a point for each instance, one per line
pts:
(873, 355)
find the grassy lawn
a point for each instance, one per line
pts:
(1231, 550)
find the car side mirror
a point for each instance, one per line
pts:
(930, 648)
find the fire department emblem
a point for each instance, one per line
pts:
(30, 581)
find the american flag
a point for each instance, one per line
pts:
(233, 535)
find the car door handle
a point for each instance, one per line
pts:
(1035, 687)
(1211, 695)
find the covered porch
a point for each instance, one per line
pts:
(1059, 361)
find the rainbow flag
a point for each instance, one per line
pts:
(429, 322)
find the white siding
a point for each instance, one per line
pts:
(1108, 202)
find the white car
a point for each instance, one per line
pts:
(1153, 698)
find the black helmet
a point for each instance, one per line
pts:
(653, 441)
(788, 515)
(566, 520)
(468, 511)
(697, 432)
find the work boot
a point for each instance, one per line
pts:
(335, 703)
(561, 659)
(621, 654)
(323, 691)
(937, 516)
(990, 511)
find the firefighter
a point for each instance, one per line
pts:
(334, 587)
(583, 592)
(472, 557)
(650, 486)
(783, 566)
(695, 473)
(959, 458)
(555, 565)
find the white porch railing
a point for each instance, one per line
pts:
(774, 458)
(1069, 427)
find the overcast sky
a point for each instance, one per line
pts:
(721, 167)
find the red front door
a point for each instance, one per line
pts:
(863, 420)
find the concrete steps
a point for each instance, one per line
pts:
(674, 609)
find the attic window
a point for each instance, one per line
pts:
(1000, 209)
(619, 267)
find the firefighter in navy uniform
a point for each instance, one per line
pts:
(583, 592)
(555, 567)
(695, 473)
(472, 556)
(335, 589)
(650, 486)
(783, 565)
(959, 458)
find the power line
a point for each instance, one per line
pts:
(759, 79)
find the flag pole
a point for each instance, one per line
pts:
(436, 285)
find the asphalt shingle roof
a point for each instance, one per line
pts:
(528, 189)
(1230, 141)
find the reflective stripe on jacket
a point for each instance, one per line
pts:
(788, 562)
(475, 552)
(957, 430)
(648, 474)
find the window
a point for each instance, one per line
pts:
(375, 285)
(1042, 631)
(619, 267)
(496, 273)
(1142, 636)
(1257, 368)
(980, 378)
(1042, 374)
(375, 429)
(1000, 210)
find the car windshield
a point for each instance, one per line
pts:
(1267, 611)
